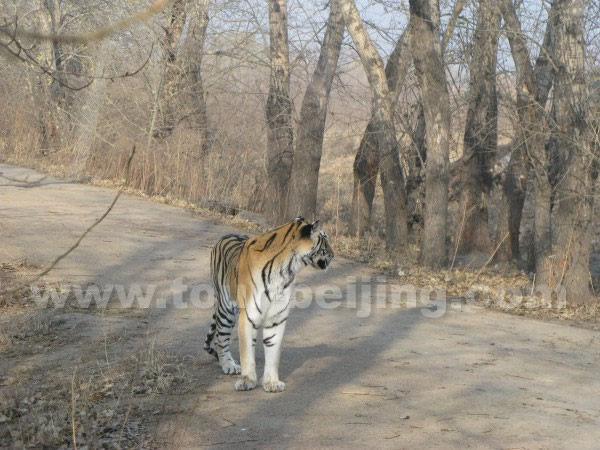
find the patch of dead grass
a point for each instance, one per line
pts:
(12, 274)
(100, 405)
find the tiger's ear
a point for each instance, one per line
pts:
(306, 231)
(310, 229)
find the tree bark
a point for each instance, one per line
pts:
(280, 135)
(313, 115)
(56, 52)
(533, 86)
(415, 189)
(390, 169)
(366, 168)
(88, 114)
(193, 95)
(417, 159)
(574, 196)
(171, 79)
(481, 131)
(542, 167)
(366, 162)
(49, 91)
(427, 56)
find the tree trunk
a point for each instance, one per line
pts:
(533, 86)
(574, 196)
(427, 56)
(61, 95)
(88, 114)
(192, 95)
(415, 192)
(313, 115)
(542, 232)
(49, 90)
(541, 248)
(390, 169)
(514, 190)
(280, 135)
(366, 162)
(415, 189)
(366, 167)
(170, 85)
(481, 131)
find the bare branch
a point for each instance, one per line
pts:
(92, 36)
(81, 238)
(458, 7)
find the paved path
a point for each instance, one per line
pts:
(396, 378)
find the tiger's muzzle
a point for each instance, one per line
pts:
(322, 262)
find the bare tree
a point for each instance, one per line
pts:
(530, 154)
(481, 135)
(88, 114)
(575, 191)
(561, 63)
(280, 134)
(390, 171)
(313, 114)
(170, 82)
(533, 86)
(366, 162)
(193, 95)
(49, 92)
(427, 56)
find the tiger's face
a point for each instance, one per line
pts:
(324, 252)
(320, 253)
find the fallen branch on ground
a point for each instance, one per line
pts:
(81, 238)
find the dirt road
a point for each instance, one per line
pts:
(395, 378)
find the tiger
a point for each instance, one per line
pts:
(253, 280)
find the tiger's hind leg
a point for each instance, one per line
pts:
(225, 317)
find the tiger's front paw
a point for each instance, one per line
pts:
(245, 383)
(273, 386)
(230, 368)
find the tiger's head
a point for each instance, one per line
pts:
(320, 253)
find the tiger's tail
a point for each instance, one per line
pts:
(212, 332)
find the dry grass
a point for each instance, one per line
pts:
(59, 390)
(14, 273)
(100, 404)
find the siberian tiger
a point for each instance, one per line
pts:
(253, 278)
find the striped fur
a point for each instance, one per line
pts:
(223, 268)
(253, 280)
